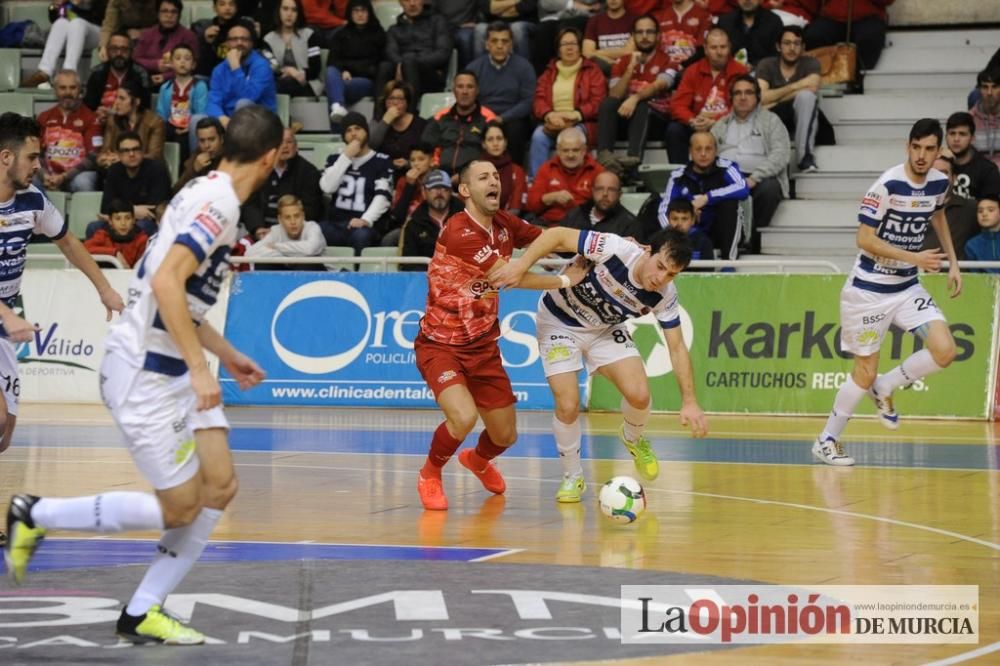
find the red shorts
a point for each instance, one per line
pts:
(476, 366)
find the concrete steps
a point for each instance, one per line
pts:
(834, 185)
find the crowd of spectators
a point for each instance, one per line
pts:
(544, 89)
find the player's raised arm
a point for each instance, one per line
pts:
(556, 239)
(77, 254)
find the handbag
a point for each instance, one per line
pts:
(838, 63)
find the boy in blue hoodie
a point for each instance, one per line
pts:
(986, 245)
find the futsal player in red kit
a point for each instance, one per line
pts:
(457, 349)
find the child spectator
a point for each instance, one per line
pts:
(181, 97)
(680, 215)
(211, 33)
(409, 187)
(120, 237)
(293, 236)
(986, 245)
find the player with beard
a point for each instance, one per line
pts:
(457, 348)
(882, 288)
(639, 87)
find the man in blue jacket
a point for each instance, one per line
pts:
(244, 77)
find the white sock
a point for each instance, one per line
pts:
(635, 420)
(178, 550)
(108, 512)
(568, 443)
(914, 367)
(848, 397)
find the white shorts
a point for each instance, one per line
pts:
(157, 415)
(566, 349)
(865, 316)
(10, 382)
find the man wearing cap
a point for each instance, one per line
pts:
(358, 181)
(421, 231)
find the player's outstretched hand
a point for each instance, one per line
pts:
(112, 301)
(244, 370)
(18, 330)
(578, 270)
(954, 280)
(930, 260)
(206, 388)
(691, 415)
(507, 275)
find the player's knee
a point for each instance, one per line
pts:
(463, 423)
(864, 376)
(944, 352)
(568, 409)
(220, 493)
(638, 396)
(505, 436)
(180, 514)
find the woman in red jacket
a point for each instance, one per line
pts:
(513, 182)
(868, 23)
(569, 92)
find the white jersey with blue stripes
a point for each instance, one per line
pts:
(900, 211)
(611, 293)
(28, 212)
(202, 217)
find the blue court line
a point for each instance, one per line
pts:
(541, 445)
(56, 554)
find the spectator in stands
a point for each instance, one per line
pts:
(181, 97)
(683, 24)
(606, 37)
(462, 16)
(120, 237)
(130, 114)
(244, 77)
(75, 28)
(715, 187)
(292, 236)
(506, 85)
(292, 174)
(640, 84)
(702, 96)
(293, 50)
(417, 49)
(212, 47)
(140, 181)
(421, 231)
(354, 58)
(789, 86)
(565, 181)
(457, 131)
(753, 30)
(513, 180)
(106, 77)
(604, 212)
(70, 133)
(130, 17)
(958, 211)
(326, 17)
(554, 16)
(680, 215)
(156, 44)
(520, 15)
(568, 93)
(756, 141)
(210, 134)
(868, 25)
(359, 180)
(985, 246)
(397, 128)
(794, 12)
(409, 191)
(986, 114)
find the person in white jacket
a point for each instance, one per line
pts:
(293, 236)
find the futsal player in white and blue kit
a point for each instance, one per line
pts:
(156, 382)
(883, 289)
(586, 324)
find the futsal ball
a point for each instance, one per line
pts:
(622, 499)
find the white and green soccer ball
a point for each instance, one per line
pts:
(622, 499)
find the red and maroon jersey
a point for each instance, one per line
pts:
(657, 67)
(461, 304)
(680, 36)
(111, 84)
(66, 140)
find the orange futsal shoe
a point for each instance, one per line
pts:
(490, 476)
(432, 494)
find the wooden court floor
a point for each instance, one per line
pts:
(922, 507)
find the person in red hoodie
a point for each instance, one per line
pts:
(565, 181)
(568, 93)
(702, 96)
(868, 23)
(120, 237)
(325, 17)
